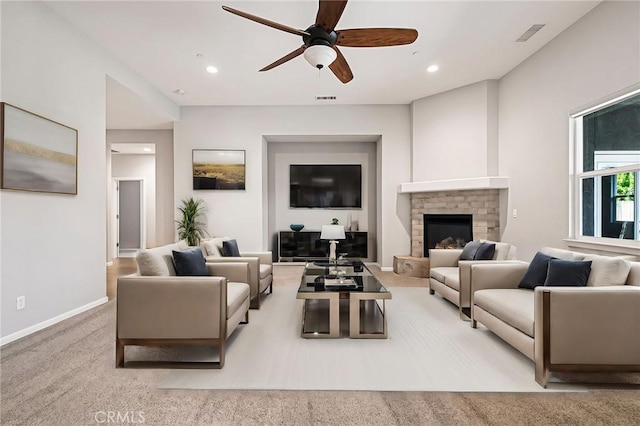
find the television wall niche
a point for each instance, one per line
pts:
(325, 186)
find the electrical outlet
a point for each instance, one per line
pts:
(21, 302)
(515, 212)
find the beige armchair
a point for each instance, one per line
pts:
(260, 266)
(165, 310)
(450, 277)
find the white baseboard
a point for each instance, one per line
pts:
(386, 268)
(109, 263)
(48, 323)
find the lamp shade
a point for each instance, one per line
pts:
(320, 56)
(332, 232)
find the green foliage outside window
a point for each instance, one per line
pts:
(625, 183)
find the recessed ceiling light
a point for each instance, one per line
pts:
(433, 68)
(211, 69)
(179, 92)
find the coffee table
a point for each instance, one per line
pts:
(342, 300)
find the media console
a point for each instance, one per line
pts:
(304, 245)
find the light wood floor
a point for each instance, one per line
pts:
(121, 266)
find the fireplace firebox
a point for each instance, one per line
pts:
(446, 231)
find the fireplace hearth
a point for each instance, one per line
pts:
(446, 231)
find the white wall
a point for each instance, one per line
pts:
(242, 214)
(598, 55)
(283, 154)
(140, 166)
(54, 246)
(165, 229)
(455, 133)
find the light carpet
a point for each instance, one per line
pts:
(428, 349)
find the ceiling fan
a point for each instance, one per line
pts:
(321, 40)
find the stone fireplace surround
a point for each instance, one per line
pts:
(482, 204)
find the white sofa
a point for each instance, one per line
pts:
(449, 276)
(592, 328)
(260, 266)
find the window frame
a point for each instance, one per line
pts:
(577, 176)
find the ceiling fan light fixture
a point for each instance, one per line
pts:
(320, 56)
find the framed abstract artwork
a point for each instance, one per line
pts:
(218, 169)
(37, 154)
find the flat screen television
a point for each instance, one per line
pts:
(325, 185)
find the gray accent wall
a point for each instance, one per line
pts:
(283, 154)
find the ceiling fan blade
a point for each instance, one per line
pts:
(376, 37)
(340, 67)
(329, 13)
(285, 58)
(266, 22)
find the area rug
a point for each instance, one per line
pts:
(428, 349)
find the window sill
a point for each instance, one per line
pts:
(608, 245)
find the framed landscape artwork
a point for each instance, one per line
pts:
(218, 169)
(37, 154)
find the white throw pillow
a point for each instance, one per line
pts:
(502, 249)
(158, 261)
(213, 246)
(606, 271)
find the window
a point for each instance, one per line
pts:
(606, 142)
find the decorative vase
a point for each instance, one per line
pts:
(297, 227)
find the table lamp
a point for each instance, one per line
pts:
(332, 233)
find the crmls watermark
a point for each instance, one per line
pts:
(119, 417)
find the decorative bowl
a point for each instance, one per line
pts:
(296, 227)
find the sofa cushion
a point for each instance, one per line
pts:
(190, 262)
(567, 273)
(607, 271)
(213, 246)
(448, 275)
(502, 250)
(237, 293)
(158, 261)
(536, 273)
(265, 270)
(513, 306)
(441, 272)
(230, 248)
(485, 251)
(470, 249)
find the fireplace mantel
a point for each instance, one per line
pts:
(487, 182)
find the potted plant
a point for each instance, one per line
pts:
(190, 227)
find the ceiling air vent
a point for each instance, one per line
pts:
(530, 32)
(325, 98)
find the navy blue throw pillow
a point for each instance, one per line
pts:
(536, 273)
(567, 273)
(485, 251)
(230, 248)
(470, 249)
(190, 262)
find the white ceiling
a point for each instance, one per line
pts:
(470, 41)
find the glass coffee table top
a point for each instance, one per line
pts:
(345, 276)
